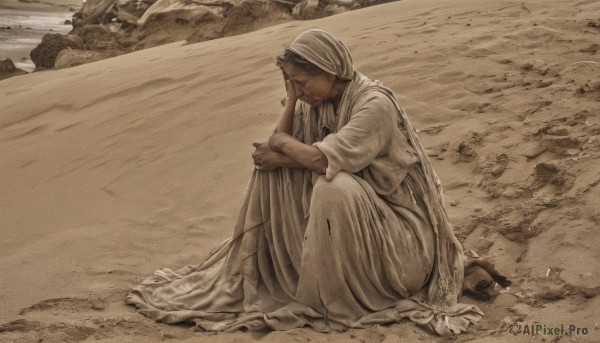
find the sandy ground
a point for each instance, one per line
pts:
(113, 169)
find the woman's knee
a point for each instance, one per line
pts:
(341, 188)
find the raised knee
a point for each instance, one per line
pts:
(341, 188)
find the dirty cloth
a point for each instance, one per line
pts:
(367, 243)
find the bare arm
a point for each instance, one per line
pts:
(287, 117)
(307, 156)
(266, 159)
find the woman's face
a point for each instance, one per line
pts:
(312, 89)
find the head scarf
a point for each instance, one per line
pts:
(325, 51)
(328, 53)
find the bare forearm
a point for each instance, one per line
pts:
(304, 155)
(287, 117)
(286, 162)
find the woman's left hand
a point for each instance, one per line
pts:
(278, 139)
(264, 157)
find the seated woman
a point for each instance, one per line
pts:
(342, 225)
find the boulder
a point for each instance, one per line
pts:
(104, 37)
(44, 55)
(170, 21)
(103, 28)
(94, 12)
(8, 69)
(105, 11)
(251, 15)
(184, 10)
(7, 66)
(73, 57)
(307, 9)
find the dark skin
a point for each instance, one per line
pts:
(284, 151)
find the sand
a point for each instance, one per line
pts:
(115, 168)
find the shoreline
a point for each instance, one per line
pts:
(39, 6)
(22, 30)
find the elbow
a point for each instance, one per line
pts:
(319, 163)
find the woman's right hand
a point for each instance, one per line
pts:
(291, 91)
(290, 88)
(264, 157)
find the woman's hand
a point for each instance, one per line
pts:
(290, 88)
(264, 157)
(292, 95)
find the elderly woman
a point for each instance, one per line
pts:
(342, 224)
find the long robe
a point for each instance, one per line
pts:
(358, 246)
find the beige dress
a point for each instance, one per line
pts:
(350, 249)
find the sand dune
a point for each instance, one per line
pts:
(115, 168)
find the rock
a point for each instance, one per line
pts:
(68, 22)
(588, 292)
(72, 57)
(253, 15)
(307, 9)
(7, 65)
(333, 9)
(8, 69)
(182, 11)
(100, 38)
(170, 21)
(544, 83)
(466, 150)
(535, 152)
(498, 170)
(98, 306)
(44, 55)
(104, 11)
(313, 9)
(527, 66)
(94, 12)
(120, 26)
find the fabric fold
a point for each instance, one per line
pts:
(368, 243)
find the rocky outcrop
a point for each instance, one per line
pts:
(113, 27)
(71, 58)
(8, 69)
(105, 11)
(253, 15)
(175, 20)
(45, 54)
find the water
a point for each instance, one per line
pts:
(26, 31)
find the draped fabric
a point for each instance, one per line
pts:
(367, 243)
